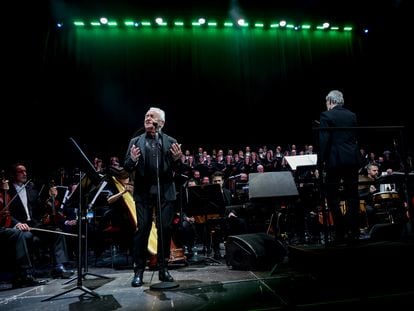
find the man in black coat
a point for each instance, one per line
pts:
(339, 159)
(152, 157)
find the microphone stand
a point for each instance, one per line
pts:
(162, 285)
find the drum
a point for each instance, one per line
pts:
(386, 196)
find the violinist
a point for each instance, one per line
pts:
(53, 215)
(13, 239)
(26, 212)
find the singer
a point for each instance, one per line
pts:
(141, 158)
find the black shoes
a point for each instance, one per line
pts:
(27, 280)
(165, 276)
(138, 278)
(61, 272)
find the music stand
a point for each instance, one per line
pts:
(204, 200)
(301, 160)
(78, 193)
(90, 207)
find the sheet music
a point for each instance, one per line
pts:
(301, 160)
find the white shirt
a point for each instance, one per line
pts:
(21, 190)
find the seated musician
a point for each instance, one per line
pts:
(234, 224)
(241, 195)
(27, 212)
(367, 188)
(184, 230)
(16, 258)
(210, 227)
(119, 221)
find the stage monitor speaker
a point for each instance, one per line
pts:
(272, 185)
(386, 232)
(253, 251)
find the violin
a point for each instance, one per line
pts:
(52, 217)
(5, 217)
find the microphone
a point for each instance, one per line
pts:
(235, 176)
(155, 124)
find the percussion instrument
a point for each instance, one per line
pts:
(385, 196)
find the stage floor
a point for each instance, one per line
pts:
(313, 277)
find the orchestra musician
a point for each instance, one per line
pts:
(26, 211)
(184, 227)
(219, 231)
(14, 242)
(217, 226)
(367, 188)
(120, 220)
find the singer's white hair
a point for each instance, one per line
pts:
(336, 97)
(161, 114)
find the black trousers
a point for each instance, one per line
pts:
(341, 184)
(146, 209)
(55, 242)
(16, 248)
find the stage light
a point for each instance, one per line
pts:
(202, 22)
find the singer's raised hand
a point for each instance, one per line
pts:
(176, 151)
(135, 153)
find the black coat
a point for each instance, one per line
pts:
(168, 167)
(338, 148)
(17, 209)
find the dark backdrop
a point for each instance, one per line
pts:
(217, 86)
